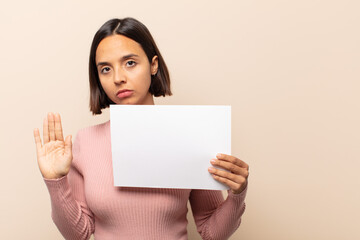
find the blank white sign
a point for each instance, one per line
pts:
(168, 146)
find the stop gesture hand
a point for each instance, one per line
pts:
(55, 155)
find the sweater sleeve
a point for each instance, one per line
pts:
(215, 217)
(69, 209)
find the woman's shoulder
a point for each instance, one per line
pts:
(94, 130)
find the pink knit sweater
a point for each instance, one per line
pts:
(86, 202)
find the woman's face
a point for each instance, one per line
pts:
(122, 64)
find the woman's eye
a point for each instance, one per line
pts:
(130, 63)
(105, 69)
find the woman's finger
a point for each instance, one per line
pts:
(46, 131)
(58, 128)
(229, 166)
(231, 184)
(236, 182)
(51, 126)
(232, 159)
(37, 139)
(225, 174)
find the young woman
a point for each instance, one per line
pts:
(126, 67)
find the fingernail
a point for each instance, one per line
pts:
(212, 161)
(211, 169)
(218, 155)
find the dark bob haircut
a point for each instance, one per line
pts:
(135, 30)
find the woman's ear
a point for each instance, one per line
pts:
(154, 65)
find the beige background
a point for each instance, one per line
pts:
(290, 70)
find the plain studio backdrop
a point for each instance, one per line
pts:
(289, 69)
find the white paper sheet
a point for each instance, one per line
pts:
(168, 146)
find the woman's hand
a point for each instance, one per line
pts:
(238, 173)
(55, 156)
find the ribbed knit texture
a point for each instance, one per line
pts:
(86, 201)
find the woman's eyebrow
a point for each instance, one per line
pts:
(121, 59)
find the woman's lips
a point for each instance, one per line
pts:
(125, 94)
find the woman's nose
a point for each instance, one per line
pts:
(119, 76)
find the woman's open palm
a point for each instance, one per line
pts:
(55, 156)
